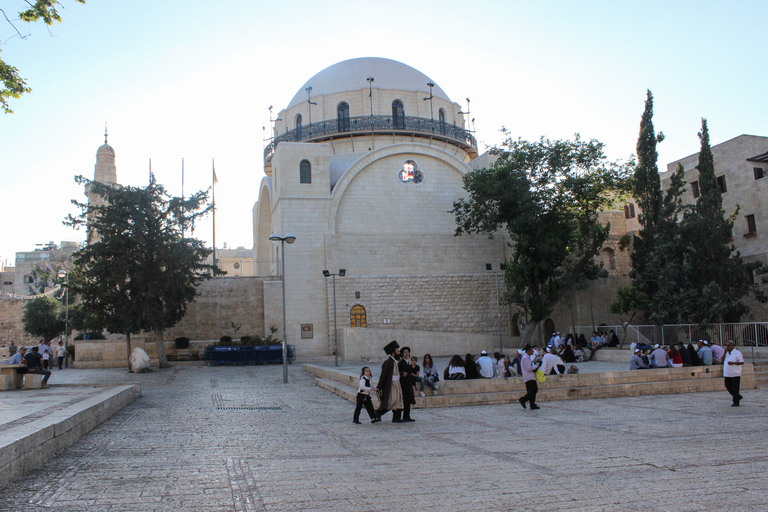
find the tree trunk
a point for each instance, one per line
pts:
(162, 361)
(526, 332)
(128, 347)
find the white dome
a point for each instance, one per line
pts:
(105, 149)
(351, 75)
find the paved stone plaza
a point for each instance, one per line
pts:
(237, 438)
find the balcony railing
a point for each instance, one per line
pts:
(375, 124)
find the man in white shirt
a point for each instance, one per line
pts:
(550, 363)
(529, 377)
(485, 365)
(732, 364)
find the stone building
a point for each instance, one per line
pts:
(741, 167)
(365, 164)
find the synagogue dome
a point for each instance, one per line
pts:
(352, 75)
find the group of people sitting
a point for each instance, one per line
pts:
(37, 359)
(552, 360)
(676, 356)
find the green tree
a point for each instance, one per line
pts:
(13, 85)
(658, 256)
(717, 278)
(42, 318)
(547, 195)
(140, 271)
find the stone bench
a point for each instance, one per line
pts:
(33, 381)
(14, 377)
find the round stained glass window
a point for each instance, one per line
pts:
(410, 174)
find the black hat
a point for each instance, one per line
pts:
(403, 349)
(390, 347)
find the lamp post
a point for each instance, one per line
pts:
(290, 238)
(342, 273)
(489, 267)
(65, 274)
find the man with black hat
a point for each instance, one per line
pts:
(406, 382)
(389, 384)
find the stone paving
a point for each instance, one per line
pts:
(237, 438)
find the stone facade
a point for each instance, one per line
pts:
(738, 163)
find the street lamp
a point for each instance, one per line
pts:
(65, 274)
(342, 273)
(290, 238)
(489, 267)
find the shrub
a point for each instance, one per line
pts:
(225, 341)
(71, 350)
(91, 336)
(182, 342)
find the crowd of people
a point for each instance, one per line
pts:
(676, 356)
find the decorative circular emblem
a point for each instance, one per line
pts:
(236, 265)
(409, 173)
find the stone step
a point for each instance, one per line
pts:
(567, 387)
(544, 395)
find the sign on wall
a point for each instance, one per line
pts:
(307, 331)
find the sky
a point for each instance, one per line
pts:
(193, 79)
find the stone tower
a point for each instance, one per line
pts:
(105, 171)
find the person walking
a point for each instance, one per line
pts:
(529, 376)
(732, 364)
(389, 384)
(61, 351)
(364, 397)
(406, 382)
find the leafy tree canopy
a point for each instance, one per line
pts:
(547, 195)
(42, 318)
(13, 85)
(140, 270)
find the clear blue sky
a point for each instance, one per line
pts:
(193, 79)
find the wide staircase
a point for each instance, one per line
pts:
(566, 387)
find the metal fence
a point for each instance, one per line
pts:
(744, 334)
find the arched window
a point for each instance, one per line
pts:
(608, 257)
(398, 115)
(441, 115)
(357, 316)
(298, 127)
(305, 172)
(342, 112)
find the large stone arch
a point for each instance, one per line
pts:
(262, 221)
(426, 156)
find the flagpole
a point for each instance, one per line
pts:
(213, 192)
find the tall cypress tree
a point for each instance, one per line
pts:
(717, 279)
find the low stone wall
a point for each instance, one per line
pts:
(22, 449)
(113, 353)
(366, 343)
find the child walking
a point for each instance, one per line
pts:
(364, 397)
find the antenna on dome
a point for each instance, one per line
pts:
(370, 92)
(466, 119)
(309, 100)
(105, 132)
(430, 84)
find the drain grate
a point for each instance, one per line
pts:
(248, 408)
(219, 403)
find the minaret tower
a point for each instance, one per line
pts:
(105, 172)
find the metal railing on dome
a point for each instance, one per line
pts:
(374, 124)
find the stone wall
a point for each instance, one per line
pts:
(448, 305)
(357, 343)
(11, 326)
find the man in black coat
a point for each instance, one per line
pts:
(406, 382)
(389, 384)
